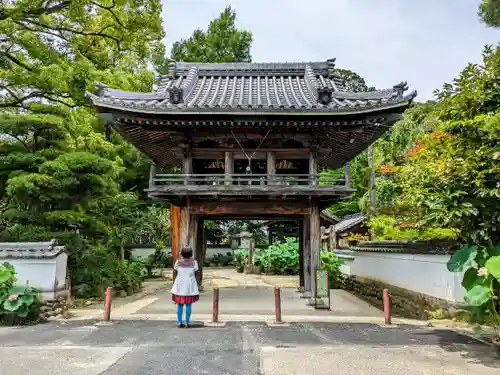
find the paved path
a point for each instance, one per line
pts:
(149, 347)
(260, 301)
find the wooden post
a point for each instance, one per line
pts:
(184, 228)
(315, 244)
(251, 248)
(152, 174)
(332, 243)
(348, 174)
(188, 166)
(313, 168)
(107, 305)
(215, 306)
(228, 167)
(271, 168)
(301, 255)
(277, 304)
(175, 229)
(200, 248)
(307, 256)
(387, 306)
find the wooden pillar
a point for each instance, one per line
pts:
(332, 243)
(315, 243)
(301, 255)
(348, 174)
(175, 229)
(313, 168)
(200, 247)
(271, 167)
(184, 228)
(188, 165)
(307, 256)
(228, 167)
(152, 174)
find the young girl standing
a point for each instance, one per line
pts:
(185, 289)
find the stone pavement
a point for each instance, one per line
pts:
(244, 298)
(151, 347)
(260, 301)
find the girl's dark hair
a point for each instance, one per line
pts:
(186, 252)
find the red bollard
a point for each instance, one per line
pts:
(277, 304)
(387, 306)
(215, 308)
(107, 305)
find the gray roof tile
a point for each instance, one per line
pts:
(251, 87)
(38, 250)
(349, 222)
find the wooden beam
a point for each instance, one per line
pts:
(250, 208)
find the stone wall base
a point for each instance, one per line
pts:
(56, 308)
(405, 303)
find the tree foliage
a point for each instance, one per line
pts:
(489, 12)
(59, 177)
(221, 42)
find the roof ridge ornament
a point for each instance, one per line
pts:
(400, 88)
(330, 63)
(100, 89)
(175, 94)
(172, 69)
(325, 95)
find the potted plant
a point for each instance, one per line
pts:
(481, 267)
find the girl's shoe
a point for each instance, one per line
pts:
(181, 325)
(186, 325)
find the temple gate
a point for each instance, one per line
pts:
(251, 141)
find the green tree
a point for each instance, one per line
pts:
(54, 51)
(489, 12)
(221, 42)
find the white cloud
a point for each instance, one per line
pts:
(425, 42)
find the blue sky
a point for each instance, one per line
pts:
(424, 42)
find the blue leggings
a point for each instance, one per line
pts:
(180, 309)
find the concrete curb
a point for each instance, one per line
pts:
(268, 319)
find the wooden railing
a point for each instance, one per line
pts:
(305, 180)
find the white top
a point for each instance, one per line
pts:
(185, 282)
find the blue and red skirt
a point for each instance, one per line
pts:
(184, 300)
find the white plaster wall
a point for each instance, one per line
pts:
(421, 273)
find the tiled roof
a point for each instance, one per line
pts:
(349, 222)
(251, 87)
(328, 216)
(36, 250)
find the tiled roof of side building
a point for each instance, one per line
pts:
(314, 87)
(31, 250)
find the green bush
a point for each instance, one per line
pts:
(101, 269)
(331, 263)
(282, 258)
(386, 228)
(223, 260)
(18, 305)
